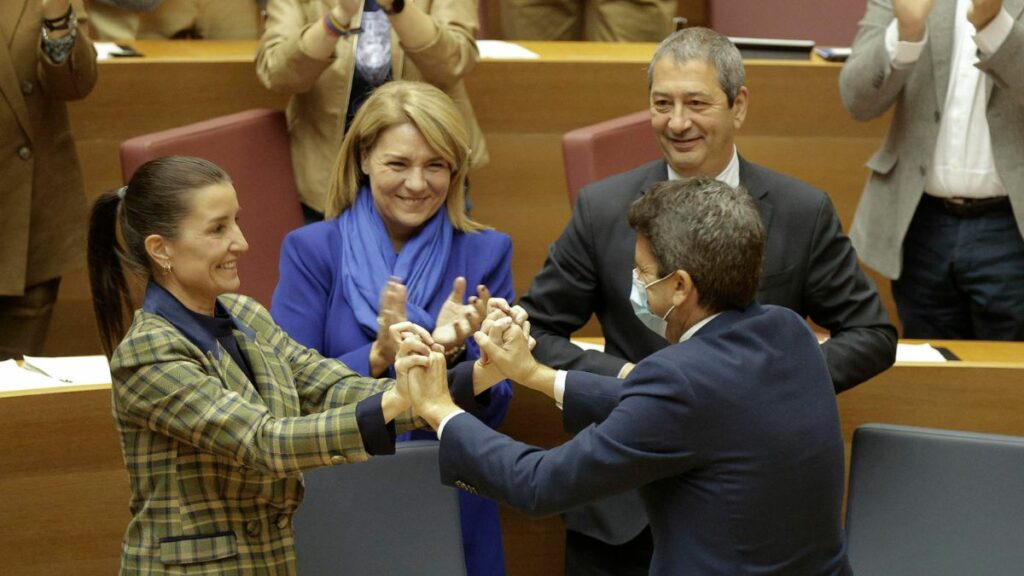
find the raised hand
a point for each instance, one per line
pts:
(456, 321)
(391, 312)
(911, 18)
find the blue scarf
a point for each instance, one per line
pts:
(368, 261)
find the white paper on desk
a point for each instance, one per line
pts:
(14, 378)
(501, 50)
(918, 353)
(588, 345)
(107, 50)
(72, 369)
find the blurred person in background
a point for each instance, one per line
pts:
(46, 59)
(329, 56)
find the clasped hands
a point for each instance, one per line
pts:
(421, 369)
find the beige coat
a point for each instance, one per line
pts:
(320, 88)
(42, 199)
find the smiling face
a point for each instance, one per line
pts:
(203, 257)
(408, 179)
(691, 116)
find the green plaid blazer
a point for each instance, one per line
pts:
(214, 460)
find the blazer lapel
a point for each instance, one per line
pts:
(940, 45)
(12, 14)
(758, 190)
(269, 377)
(234, 377)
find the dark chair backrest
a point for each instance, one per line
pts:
(389, 515)
(607, 148)
(935, 502)
(253, 148)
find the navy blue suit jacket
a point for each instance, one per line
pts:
(732, 438)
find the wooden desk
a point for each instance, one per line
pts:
(62, 479)
(796, 124)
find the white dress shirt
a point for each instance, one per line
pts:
(962, 165)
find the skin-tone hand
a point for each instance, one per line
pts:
(456, 321)
(391, 311)
(507, 348)
(428, 388)
(982, 12)
(911, 18)
(413, 351)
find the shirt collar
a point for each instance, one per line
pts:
(730, 176)
(693, 329)
(162, 303)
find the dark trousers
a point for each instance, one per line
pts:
(586, 556)
(25, 319)
(963, 276)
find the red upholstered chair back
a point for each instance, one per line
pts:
(606, 148)
(252, 147)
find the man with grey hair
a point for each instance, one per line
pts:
(731, 433)
(698, 102)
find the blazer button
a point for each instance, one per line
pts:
(282, 521)
(938, 115)
(26, 87)
(25, 153)
(338, 459)
(923, 169)
(252, 528)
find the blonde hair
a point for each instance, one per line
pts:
(395, 103)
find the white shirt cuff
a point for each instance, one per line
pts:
(452, 414)
(559, 390)
(902, 54)
(990, 38)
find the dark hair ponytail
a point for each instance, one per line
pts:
(154, 202)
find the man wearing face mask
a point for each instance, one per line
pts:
(731, 432)
(698, 104)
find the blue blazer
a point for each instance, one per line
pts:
(732, 438)
(309, 306)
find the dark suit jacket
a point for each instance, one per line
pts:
(732, 436)
(809, 267)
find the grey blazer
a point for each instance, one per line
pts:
(870, 86)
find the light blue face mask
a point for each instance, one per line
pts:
(638, 298)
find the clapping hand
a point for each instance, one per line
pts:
(456, 320)
(911, 17)
(391, 312)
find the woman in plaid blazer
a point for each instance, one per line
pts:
(217, 409)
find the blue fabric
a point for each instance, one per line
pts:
(963, 278)
(309, 305)
(368, 260)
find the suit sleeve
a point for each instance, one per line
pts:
(452, 53)
(159, 385)
(589, 399)
(645, 438)
(868, 83)
(839, 297)
(74, 78)
(564, 296)
(299, 303)
(1006, 65)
